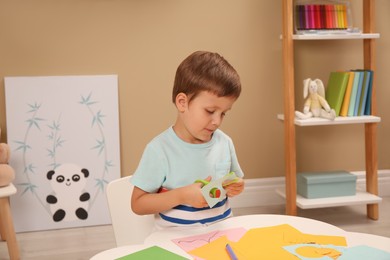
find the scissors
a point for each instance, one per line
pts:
(215, 192)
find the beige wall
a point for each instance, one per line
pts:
(144, 41)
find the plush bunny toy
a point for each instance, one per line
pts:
(316, 104)
(7, 173)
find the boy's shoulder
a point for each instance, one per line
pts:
(163, 137)
(221, 134)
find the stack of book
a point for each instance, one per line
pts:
(349, 92)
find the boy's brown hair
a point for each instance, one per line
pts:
(206, 71)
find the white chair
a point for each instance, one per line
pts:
(7, 231)
(129, 228)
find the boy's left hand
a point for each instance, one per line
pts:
(234, 188)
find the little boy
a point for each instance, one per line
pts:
(205, 89)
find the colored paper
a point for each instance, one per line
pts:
(314, 251)
(364, 252)
(216, 250)
(192, 242)
(330, 252)
(263, 243)
(153, 252)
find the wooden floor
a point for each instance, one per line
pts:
(83, 243)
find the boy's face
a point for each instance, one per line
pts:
(199, 118)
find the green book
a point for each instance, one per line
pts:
(153, 252)
(335, 90)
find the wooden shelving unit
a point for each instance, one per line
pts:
(338, 120)
(368, 36)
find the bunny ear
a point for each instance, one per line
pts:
(306, 84)
(320, 88)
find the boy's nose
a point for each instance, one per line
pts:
(216, 120)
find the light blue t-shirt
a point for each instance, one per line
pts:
(168, 162)
(171, 163)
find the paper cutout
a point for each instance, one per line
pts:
(315, 251)
(311, 251)
(206, 189)
(345, 253)
(193, 242)
(364, 252)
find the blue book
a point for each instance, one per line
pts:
(367, 110)
(358, 94)
(363, 96)
(352, 100)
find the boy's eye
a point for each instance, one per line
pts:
(209, 111)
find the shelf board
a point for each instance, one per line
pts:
(335, 36)
(361, 197)
(338, 120)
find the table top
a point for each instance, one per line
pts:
(163, 238)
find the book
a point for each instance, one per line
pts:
(335, 89)
(347, 96)
(367, 110)
(358, 93)
(363, 97)
(355, 87)
(153, 252)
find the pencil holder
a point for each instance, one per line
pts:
(322, 16)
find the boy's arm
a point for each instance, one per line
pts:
(143, 203)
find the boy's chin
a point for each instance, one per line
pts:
(203, 139)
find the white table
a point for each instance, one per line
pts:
(163, 238)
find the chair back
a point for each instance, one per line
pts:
(129, 228)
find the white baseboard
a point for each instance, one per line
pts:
(262, 191)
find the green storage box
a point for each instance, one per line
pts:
(313, 185)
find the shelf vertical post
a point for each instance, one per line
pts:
(371, 128)
(289, 107)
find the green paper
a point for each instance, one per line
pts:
(154, 252)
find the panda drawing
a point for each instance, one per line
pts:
(70, 200)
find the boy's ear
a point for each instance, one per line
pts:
(181, 101)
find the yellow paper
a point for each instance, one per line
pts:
(264, 243)
(213, 250)
(268, 242)
(217, 250)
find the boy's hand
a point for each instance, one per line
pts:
(235, 188)
(194, 196)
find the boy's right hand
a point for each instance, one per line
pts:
(194, 196)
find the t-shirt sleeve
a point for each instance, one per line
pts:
(151, 171)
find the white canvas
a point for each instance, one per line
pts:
(64, 138)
